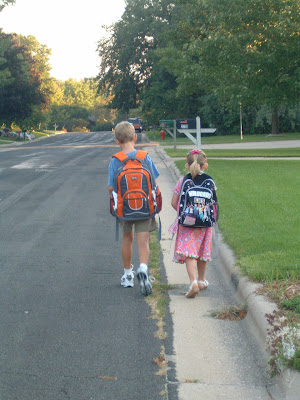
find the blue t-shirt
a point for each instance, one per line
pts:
(115, 163)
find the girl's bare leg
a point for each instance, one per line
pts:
(191, 267)
(201, 267)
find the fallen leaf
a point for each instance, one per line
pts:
(108, 378)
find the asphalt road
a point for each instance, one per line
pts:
(68, 330)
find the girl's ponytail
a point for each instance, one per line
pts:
(195, 169)
(196, 159)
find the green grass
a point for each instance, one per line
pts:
(290, 152)
(5, 140)
(159, 298)
(155, 136)
(260, 215)
(291, 304)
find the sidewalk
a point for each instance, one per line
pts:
(216, 359)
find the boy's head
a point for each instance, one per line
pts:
(124, 132)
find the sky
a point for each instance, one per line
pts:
(70, 28)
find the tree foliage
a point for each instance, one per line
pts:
(126, 54)
(248, 50)
(21, 87)
(77, 105)
(40, 55)
(189, 55)
(243, 52)
(4, 3)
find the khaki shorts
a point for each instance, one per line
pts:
(145, 225)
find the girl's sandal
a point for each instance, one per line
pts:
(202, 285)
(193, 290)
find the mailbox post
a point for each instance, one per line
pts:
(189, 126)
(186, 126)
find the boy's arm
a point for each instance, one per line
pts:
(111, 174)
(153, 168)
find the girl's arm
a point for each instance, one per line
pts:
(174, 201)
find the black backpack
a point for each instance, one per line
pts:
(198, 206)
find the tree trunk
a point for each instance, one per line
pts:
(275, 127)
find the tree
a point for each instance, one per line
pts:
(76, 104)
(244, 52)
(40, 55)
(21, 89)
(126, 53)
(5, 44)
(4, 3)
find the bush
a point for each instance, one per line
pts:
(80, 129)
(103, 126)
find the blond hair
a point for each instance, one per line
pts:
(124, 132)
(196, 159)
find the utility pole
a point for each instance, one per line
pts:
(241, 121)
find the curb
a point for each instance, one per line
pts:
(286, 386)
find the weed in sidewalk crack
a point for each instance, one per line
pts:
(189, 380)
(231, 313)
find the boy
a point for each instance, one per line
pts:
(126, 137)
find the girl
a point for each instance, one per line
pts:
(193, 245)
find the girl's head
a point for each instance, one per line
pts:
(196, 162)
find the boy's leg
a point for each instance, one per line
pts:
(127, 279)
(142, 241)
(127, 242)
(143, 229)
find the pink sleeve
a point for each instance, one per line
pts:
(177, 188)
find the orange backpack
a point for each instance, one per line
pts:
(135, 195)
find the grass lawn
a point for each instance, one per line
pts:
(6, 140)
(289, 152)
(260, 215)
(155, 136)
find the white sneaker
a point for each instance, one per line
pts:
(127, 280)
(144, 280)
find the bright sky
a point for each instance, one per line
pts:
(71, 28)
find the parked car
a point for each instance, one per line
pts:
(137, 123)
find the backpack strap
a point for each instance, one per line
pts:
(121, 156)
(140, 154)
